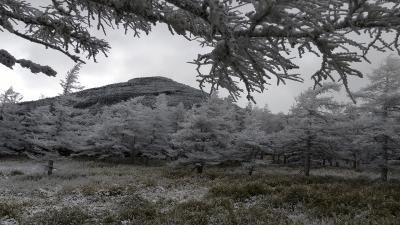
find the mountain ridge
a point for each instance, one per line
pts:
(147, 87)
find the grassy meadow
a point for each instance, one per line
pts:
(95, 193)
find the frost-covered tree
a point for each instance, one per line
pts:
(11, 128)
(162, 124)
(178, 115)
(48, 137)
(206, 135)
(41, 130)
(270, 122)
(350, 129)
(62, 107)
(77, 133)
(57, 128)
(10, 97)
(381, 99)
(249, 141)
(255, 125)
(71, 81)
(125, 129)
(7, 98)
(308, 132)
(133, 129)
(122, 130)
(249, 40)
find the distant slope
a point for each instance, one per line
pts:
(148, 87)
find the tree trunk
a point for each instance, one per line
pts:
(284, 159)
(384, 173)
(199, 168)
(355, 162)
(385, 158)
(1, 112)
(251, 170)
(153, 134)
(307, 163)
(50, 167)
(307, 157)
(323, 162)
(385, 147)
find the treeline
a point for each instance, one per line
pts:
(317, 131)
(213, 132)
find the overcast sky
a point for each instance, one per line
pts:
(159, 54)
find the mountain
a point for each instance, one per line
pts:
(148, 87)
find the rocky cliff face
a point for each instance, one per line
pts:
(148, 87)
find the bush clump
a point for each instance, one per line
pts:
(16, 173)
(137, 209)
(240, 191)
(10, 210)
(62, 216)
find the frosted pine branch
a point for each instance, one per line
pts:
(9, 60)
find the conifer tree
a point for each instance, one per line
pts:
(11, 123)
(71, 81)
(307, 133)
(381, 100)
(250, 139)
(207, 133)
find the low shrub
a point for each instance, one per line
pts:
(62, 216)
(261, 216)
(137, 209)
(177, 173)
(16, 173)
(239, 191)
(89, 189)
(190, 213)
(10, 210)
(32, 177)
